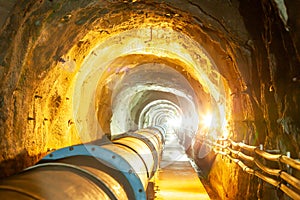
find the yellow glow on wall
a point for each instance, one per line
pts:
(157, 39)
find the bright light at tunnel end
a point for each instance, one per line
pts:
(179, 47)
(206, 120)
(174, 122)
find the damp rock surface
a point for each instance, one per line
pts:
(44, 44)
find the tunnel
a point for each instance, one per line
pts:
(220, 77)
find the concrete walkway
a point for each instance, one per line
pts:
(176, 178)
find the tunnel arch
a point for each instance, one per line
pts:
(59, 38)
(170, 106)
(138, 45)
(42, 56)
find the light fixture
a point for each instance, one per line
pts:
(206, 120)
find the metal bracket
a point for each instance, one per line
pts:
(110, 158)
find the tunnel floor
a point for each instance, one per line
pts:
(176, 178)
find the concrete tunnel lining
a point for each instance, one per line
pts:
(50, 98)
(148, 78)
(159, 107)
(43, 51)
(137, 42)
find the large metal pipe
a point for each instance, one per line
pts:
(118, 169)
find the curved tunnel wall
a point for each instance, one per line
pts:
(136, 42)
(146, 79)
(248, 55)
(52, 108)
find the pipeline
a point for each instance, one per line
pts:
(118, 169)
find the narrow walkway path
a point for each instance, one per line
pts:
(176, 178)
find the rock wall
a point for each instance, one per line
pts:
(254, 44)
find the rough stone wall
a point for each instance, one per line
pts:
(265, 111)
(36, 87)
(256, 52)
(265, 94)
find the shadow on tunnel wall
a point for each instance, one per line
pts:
(202, 156)
(198, 151)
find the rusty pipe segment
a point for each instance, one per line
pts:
(118, 169)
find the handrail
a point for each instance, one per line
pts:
(290, 179)
(237, 152)
(242, 155)
(242, 145)
(268, 170)
(289, 161)
(268, 156)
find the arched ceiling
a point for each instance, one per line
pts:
(141, 61)
(73, 71)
